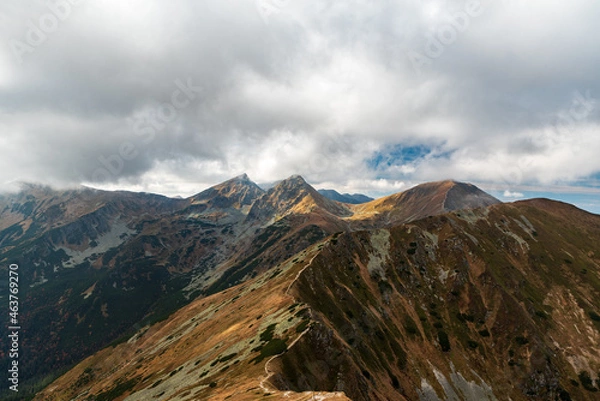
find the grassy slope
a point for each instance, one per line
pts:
(503, 297)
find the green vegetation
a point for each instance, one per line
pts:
(444, 341)
(410, 326)
(465, 317)
(301, 312)
(227, 357)
(267, 335)
(594, 316)
(276, 273)
(269, 237)
(521, 340)
(85, 378)
(564, 395)
(402, 357)
(302, 326)
(118, 390)
(484, 333)
(273, 347)
(586, 381)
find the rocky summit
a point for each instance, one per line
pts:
(440, 292)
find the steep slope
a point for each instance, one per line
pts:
(495, 303)
(295, 196)
(36, 210)
(473, 305)
(238, 193)
(216, 348)
(285, 220)
(96, 265)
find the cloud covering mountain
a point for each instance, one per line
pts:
(174, 97)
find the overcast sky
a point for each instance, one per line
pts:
(357, 95)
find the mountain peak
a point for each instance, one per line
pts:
(467, 196)
(235, 192)
(295, 179)
(454, 195)
(293, 187)
(242, 177)
(294, 195)
(428, 199)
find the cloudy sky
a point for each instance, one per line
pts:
(358, 95)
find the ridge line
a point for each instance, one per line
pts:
(269, 374)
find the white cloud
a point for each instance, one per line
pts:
(316, 90)
(509, 194)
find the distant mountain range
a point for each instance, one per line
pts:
(438, 292)
(345, 198)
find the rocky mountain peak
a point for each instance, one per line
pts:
(467, 196)
(236, 192)
(295, 196)
(486, 305)
(293, 186)
(242, 178)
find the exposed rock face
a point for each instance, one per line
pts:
(467, 196)
(413, 296)
(487, 304)
(463, 306)
(295, 196)
(235, 193)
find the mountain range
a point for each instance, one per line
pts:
(440, 292)
(345, 198)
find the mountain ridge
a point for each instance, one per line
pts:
(156, 254)
(437, 308)
(346, 197)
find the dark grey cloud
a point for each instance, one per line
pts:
(171, 97)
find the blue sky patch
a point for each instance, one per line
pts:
(586, 201)
(398, 155)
